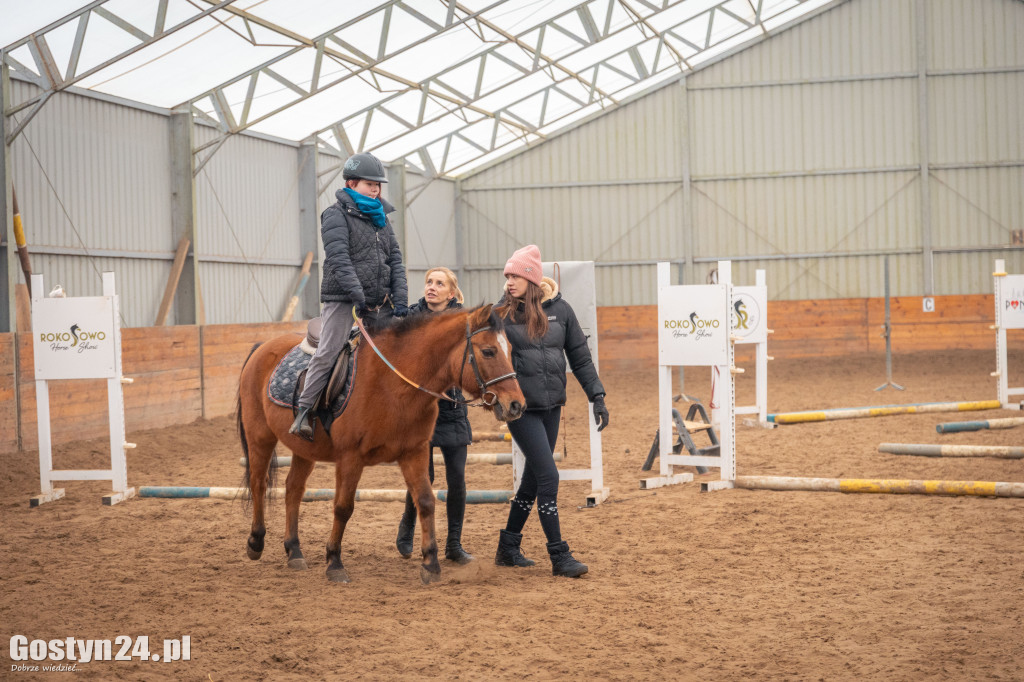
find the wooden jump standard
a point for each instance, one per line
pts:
(1002, 451)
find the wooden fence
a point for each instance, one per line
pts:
(185, 373)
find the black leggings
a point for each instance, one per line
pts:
(455, 474)
(536, 433)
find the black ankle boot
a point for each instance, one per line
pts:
(406, 529)
(453, 551)
(303, 424)
(509, 553)
(562, 561)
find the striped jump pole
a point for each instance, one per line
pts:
(927, 450)
(500, 436)
(881, 485)
(497, 458)
(880, 411)
(314, 495)
(956, 427)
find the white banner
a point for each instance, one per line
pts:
(74, 338)
(691, 328)
(1012, 303)
(750, 314)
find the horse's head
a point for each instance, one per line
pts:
(487, 374)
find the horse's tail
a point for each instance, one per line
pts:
(271, 474)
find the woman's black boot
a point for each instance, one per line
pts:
(453, 550)
(509, 553)
(406, 528)
(562, 561)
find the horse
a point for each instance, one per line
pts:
(387, 419)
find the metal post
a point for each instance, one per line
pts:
(183, 215)
(309, 228)
(8, 262)
(924, 152)
(888, 336)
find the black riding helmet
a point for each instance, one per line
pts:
(364, 166)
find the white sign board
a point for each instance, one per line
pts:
(74, 338)
(1012, 301)
(692, 325)
(576, 283)
(750, 314)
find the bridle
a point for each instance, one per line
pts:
(467, 353)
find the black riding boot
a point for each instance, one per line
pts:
(562, 561)
(406, 528)
(509, 553)
(303, 424)
(453, 550)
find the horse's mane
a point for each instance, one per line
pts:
(412, 323)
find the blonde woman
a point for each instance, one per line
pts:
(451, 432)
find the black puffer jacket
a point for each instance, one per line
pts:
(452, 427)
(362, 263)
(540, 364)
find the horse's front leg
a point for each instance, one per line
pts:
(295, 486)
(414, 469)
(346, 480)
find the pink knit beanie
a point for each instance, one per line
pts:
(526, 263)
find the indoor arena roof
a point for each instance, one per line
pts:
(448, 85)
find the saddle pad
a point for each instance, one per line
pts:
(281, 388)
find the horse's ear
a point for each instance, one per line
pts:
(479, 316)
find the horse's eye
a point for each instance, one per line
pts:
(489, 352)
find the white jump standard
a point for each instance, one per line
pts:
(79, 338)
(694, 330)
(1009, 298)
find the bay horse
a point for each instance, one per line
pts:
(387, 420)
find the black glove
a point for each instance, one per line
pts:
(401, 310)
(600, 412)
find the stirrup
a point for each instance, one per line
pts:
(304, 425)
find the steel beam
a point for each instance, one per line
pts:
(923, 145)
(309, 228)
(183, 216)
(8, 260)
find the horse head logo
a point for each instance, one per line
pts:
(742, 317)
(74, 333)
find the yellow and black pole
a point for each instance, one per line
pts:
(19, 239)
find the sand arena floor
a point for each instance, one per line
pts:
(682, 584)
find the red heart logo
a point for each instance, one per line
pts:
(1014, 303)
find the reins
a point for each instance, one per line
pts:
(467, 352)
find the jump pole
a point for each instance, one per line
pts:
(694, 329)
(881, 411)
(1009, 315)
(928, 450)
(955, 427)
(497, 458)
(882, 486)
(314, 494)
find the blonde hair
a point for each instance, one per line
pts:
(453, 282)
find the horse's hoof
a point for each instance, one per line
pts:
(338, 575)
(298, 564)
(427, 577)
(253, 554)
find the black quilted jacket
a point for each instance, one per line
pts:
(362, 263)
(452, 426)
(540, 364)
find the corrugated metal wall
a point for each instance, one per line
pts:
(803, 155)
(430, 237)
(247, 212)
(93, 188)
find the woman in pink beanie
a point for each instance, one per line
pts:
(542, 331)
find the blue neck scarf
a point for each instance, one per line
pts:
(373, 208)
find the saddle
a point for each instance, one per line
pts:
(289, 377)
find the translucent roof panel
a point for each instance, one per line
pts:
(445, 85)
